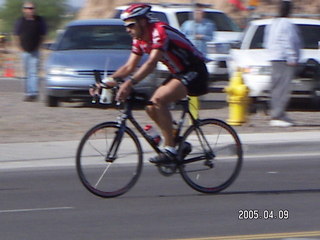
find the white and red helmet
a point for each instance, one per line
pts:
(135, 10)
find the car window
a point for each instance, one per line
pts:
(257, 40)
(311, 35)
(221, 20)
(95, 37)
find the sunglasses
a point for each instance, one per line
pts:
(131, 25)
(28, 7)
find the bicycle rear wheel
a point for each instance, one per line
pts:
(215, 156)
(108, 165)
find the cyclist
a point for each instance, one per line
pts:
(189, 75)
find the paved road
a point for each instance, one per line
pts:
(52, 204)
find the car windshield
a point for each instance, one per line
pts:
(95, 37)
(222, 22)
(310, 36)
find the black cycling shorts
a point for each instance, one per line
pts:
(195, 79)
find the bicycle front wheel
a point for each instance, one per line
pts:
(214, 158)
(108, 162)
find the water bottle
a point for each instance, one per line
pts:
(152, 133)
(106, 96)
(107, 93)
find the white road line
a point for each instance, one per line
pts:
(282, 155)
(35, 209)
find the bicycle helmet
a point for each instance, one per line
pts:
(135, 10)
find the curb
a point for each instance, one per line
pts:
(283, 148)
(62, 153)
(280, 143)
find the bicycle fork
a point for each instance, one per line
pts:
(112, 152)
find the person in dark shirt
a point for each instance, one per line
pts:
(29, 32)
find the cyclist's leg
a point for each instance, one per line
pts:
(159, 112)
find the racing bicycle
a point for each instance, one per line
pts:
(109, 158)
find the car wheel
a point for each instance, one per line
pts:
(52, 101)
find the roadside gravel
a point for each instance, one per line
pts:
(34, 122)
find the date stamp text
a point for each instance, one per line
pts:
(255, 214)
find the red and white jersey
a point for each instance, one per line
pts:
(179, 52)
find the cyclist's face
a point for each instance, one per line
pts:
(134, 29)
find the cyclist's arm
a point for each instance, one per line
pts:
(148, 66)
(128, 67)
(141, 73)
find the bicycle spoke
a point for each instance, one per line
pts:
(93, 147)
(218, 136)
(104, 172)
(215, 159)
(107, 165)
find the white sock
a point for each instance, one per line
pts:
(171, 149)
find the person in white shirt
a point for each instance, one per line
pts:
(283, 43)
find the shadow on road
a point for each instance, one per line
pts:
(253, 192)
(264, 192)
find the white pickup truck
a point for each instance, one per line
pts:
(251, 59)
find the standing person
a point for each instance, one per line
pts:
(200, 30)
(29, 32)
(189, 75)
(283, 43)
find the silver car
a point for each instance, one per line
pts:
(83, 47)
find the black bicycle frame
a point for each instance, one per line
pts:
(127, 115)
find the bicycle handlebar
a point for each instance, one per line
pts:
(134, 96)
(102, 85)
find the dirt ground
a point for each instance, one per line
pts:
(33, 121)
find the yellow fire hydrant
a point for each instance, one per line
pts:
(237, 97)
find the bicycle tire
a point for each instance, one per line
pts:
(216, 171)
(104, 176)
